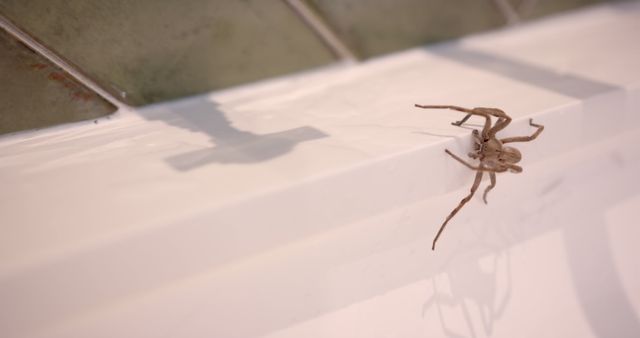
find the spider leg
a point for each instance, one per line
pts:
(492, 176)
(474, 111)
(463, 120)
(471, 166)
(477, 140)
(467, 164)
(525, 138)
(514, 167)
(464, 110)
(474, 187)
(503, 119)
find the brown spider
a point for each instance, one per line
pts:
(494, 157)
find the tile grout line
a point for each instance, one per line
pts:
(52, 57)
(507, 11)
(321, 29)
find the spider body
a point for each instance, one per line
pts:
(489, 150)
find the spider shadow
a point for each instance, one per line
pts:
(471, 286)
(569, 207)
(230, 145)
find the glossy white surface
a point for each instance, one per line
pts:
(305, 206)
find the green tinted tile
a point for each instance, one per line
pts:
(379, 26)
(158, 50)
(35, 93)
(545, 7)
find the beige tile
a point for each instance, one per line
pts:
(545, 7)
(35, 93)
(380, 26)
(159, 50)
